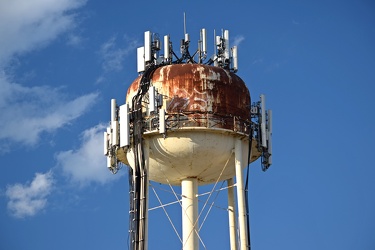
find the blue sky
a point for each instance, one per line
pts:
(62, 61)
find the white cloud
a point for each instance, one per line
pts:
(27, 112)
(87, 164)
(28, 24)
(113, 56)
(100, 79)
(258, 60)
(238, 40)
(29, 199)
(74, 40)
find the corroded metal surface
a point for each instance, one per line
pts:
(206, 96)
(207, 112)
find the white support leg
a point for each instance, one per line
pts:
(147, 161)
(232, 215)
(242, 220)
(189, 188)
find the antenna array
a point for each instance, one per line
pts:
(224, 56)
(262, 128)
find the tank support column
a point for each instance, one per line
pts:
(232, 215)
(242, 221)
(189, 188)
(146, 148)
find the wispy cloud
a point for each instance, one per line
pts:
(26, 25)
(258, 60)
(74, 40)
(296, 22)
(238, 39)
(27, 112)
(87, 164)
(113, 56)
(29, 199)
(275, 65)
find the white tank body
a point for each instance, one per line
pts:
(207, 110)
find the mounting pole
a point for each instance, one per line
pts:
(184, 23)
(241, 201)
(189, 188)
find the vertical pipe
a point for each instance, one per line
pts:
(147, 163)
(184, 23)
(263, 120)
(269, 136)
(232, 215)
(189, 188)
(242, 221)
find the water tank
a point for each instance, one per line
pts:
(207, 109)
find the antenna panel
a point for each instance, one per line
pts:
(124, 125)
(113, 110)
(115, 137)
(162, 121)
(157, 43)
(159, 100)
(147, 46)
(235, 58)
(105, 143)
(140, 59)
(218, 40)
(226, 44)
(270, 121)
(111, 164)
(109, 136)
(204, 40)
(166, 47)
(151, 97)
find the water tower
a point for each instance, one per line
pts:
(188, 120)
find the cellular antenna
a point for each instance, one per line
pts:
(202, 46)
(147, 46)
(204, 42)
(166, 49)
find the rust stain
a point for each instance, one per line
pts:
(200, 90)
